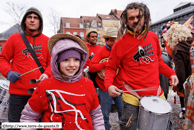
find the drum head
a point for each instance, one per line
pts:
(155, 104)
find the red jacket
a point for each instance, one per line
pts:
(22, 61)
(91, 49)
(139, 61)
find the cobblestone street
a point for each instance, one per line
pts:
(176, 109)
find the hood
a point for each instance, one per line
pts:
(36, 11)
(184, 46)
(57, 49)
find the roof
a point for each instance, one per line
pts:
(14, 29)
(106, 17)
(90, 19)
(176, 14)
(74, 22)
(116, 13)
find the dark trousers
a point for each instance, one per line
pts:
(16, 105)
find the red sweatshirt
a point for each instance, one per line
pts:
(140, 63)
(68, 103)
(22, 61)
(95, 66)
(91, 49)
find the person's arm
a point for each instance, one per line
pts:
(114, 61)
(164, 68)
(97, 119)
(7, 55)
(28, 115)
(95, 66)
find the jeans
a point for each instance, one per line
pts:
(106, 102)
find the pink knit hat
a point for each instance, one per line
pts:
(68, 54)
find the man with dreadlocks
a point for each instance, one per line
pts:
(138, 53)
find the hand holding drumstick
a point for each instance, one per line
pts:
(13, 76)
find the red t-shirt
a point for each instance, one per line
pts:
(68, 103)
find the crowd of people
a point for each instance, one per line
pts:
(131, 65)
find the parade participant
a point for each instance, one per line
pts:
(67, 97)
(138, 53)
(15, 59)
(91, 38)
(97, 66)
(164, 81)
(180, 39)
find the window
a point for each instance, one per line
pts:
(81, 25)
(74, 33)
(82, 35)
(99, 24)
(110, 26)
(98, 37)
(105, 28)
(68, 32)
(94, 23)
(88, 23)
(68, 25)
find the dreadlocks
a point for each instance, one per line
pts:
(145, 12)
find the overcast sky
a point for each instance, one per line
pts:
(76, 8)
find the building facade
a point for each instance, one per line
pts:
(182, 13)
(100, 22)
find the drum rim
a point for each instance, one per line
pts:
(170, 111)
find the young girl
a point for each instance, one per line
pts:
(67, 97)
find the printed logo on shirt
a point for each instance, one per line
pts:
(37, 50)
(59, 105)
(143, 53)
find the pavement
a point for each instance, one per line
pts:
(176, 109)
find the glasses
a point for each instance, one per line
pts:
(138, 17)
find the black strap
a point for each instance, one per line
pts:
(31, 51)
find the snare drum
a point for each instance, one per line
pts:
(4, 97)
(154, 113)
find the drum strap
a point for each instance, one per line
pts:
(129, 88)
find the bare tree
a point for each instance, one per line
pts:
(15, 10)
(54, 20)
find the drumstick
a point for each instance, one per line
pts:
(129, 121)
(145, 89)
(30, 71)
(169, 94)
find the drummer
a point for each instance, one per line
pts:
(95, 66)
(138, 53)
